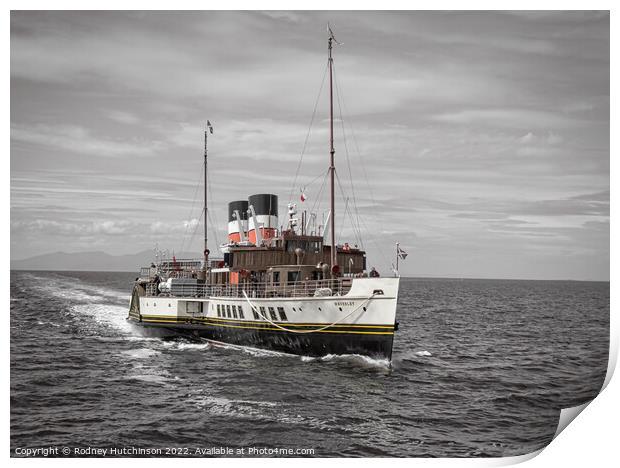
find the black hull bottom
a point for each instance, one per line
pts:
(377, 346)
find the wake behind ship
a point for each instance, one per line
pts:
(291, 289)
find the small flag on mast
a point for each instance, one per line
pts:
(401, 253)
(210, 127)
(303, 196)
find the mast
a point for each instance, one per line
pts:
(332, 168)
(205, 212)
(397, 245)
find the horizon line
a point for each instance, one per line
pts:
(460, 278)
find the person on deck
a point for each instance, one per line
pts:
(373, 273)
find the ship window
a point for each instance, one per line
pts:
(228, 314)
(256, 316)
(234, 311)
(282, 314)
(241, 312)
(276, 277)
(293, 276)
(272, 312)
(262, 313)
(219, 311)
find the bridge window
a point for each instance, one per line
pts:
(228, 314)
(282, 314)
(272, 312)
(241, 312)
(234, 311)
(256, 316)
(262, 313)
(219, 311)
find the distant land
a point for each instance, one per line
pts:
(101, 261)
(89, 261)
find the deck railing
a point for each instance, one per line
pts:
(310, 288)
(178, 268)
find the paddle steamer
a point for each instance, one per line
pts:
(288, 289)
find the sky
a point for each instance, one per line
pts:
(477, 140)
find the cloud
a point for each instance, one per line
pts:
(174, 227)
(80, 140)
(85, 229)
(123, 117)
(517, 118)
(529, 137)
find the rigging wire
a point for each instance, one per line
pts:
(303, 150)
(346, 150)
(344, 218)
(214, 230)
(319, 198)
(356, 233)
(371, 192)
(191, 212)
(216, 224)
(196, 228)
(212, 217)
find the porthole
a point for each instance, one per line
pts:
(169, 305)
(340, 309)
(364, 309)
(319, 308)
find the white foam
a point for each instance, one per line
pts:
(142, 353)
(151, 378)
(192, 346)
(358, 359)
(48, 323)
(141, 338)
(74, 289)
(423, 353)
(106, 315)
(257, 352)
(148, 371)
(230, 408)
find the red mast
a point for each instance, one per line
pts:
(332, 168)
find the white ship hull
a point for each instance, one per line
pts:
(362, 321)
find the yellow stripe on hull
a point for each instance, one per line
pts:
(225, 325)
